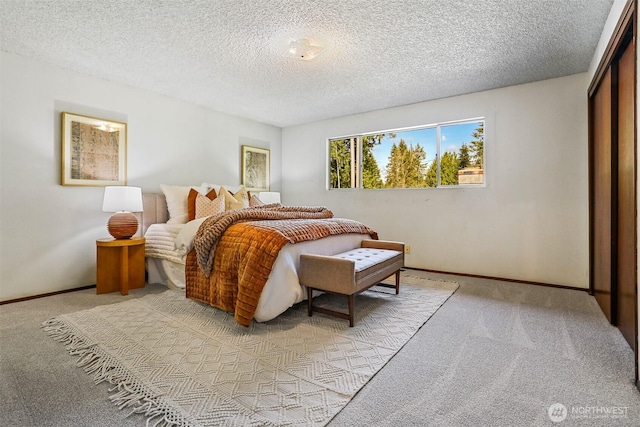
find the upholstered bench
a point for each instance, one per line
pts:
(351, 272)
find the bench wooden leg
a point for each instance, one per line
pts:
(309, 305)
(351, 300)
(352, 303)
(348, 316)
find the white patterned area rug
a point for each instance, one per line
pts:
(184, 363)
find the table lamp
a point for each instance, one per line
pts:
(122, 200)
(268, 197)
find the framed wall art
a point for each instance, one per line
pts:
(255, 168)
(94, 151)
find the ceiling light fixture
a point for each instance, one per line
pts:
(303, 49)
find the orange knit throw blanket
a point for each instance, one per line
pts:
(236, 258)
(213, 228)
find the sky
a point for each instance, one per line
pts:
(453, 136)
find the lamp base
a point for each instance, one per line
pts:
(122, 225)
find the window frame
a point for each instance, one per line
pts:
(359, 156)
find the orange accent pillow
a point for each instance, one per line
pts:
(191, 202)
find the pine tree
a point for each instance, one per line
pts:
(406, 166)
(417, 166)
(371, 177)
(431, 177)
(465, 157)
(449, 166)
(477, 146)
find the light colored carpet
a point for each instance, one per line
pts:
(184, 363)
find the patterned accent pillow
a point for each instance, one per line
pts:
(191, 202)
(242, 195)
(232, 202)
(255, 201)
(204, 206)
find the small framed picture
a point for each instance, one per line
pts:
(94, 151)
(255, 168)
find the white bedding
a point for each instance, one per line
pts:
(168, 273)
(282, 290)
(161, 242)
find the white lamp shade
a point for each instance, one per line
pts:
(122, 198)
(268, 197)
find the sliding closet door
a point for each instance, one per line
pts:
(602, 196)
(613, 190)
(626, 249)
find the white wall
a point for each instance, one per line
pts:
(530, 222)
(48, 231)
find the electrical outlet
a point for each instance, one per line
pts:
(407, 249)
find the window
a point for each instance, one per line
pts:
(440, 155)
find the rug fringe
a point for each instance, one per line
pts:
(125, 393)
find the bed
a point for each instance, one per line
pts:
(171, 259)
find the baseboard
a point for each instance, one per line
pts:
(479, 276)
(11, 301)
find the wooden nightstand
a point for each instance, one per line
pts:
(120, 265)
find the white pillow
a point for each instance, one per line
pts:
(184, 240)
(176, 196)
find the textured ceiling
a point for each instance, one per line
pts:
(230, 55)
